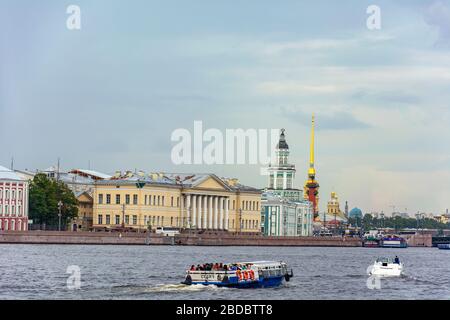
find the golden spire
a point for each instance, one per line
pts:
(312, 171)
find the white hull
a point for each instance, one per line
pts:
(386, 269)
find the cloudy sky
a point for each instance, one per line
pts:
(111, 94)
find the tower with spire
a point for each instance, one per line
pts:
(282, 173)
(312, 186)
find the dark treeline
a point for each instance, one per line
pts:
(369, 222)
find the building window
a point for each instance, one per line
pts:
(117, 219)
(127, 199)
(178, 201)
(127, 219)
(100, 219)
(234, 204)
(154, 200)
(145, 201)
(162, 201)
(108, 199)
(135, 199)
(171, 201)
(158, 200)
(117, 198)
(108, 219)
(134, 219)
(171, 221)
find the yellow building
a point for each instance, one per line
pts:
(443, 218)
(333, 205)
(85, 213)
(185, 201)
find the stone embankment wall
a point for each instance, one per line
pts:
(419, 240)
(209, 239)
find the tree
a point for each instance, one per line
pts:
(45, 194)
(398, 223)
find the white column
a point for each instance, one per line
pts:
(200, 212)
(188, 210)
(284, 180)
(181, 222)
(216, 215)
(205, 212)
(194, 210)
(226, 213)
(221, 213)
(210, 212)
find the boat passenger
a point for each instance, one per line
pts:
(192, 268)
(397, 260)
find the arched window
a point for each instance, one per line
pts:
(13, 225)
(6, 225)
(19, 225)
(1, 224)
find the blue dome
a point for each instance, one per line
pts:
(355, 213)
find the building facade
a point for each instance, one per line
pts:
(284, 211)
(185, 201)
(282, 217)
(13, 201)
(282, 173)
(83, 221)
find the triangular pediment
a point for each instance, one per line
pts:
(84, 197)
(211, 182)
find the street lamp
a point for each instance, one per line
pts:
(60, 204)
(123, 217)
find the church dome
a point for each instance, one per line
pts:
(355, 213)
(282, 142)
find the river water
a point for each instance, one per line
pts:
(154, 272)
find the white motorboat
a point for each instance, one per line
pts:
(386, 267)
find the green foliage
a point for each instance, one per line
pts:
(45, 194)
(368, 222)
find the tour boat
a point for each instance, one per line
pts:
(257, 274)
(386, 267)
(393, 241)
(444, 246)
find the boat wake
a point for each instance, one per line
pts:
(183, 288)
(161, 288)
